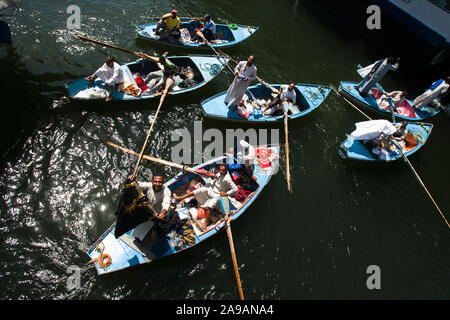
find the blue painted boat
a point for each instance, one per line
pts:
(228, 36)
(309, 98)
(350, 91)
(205, 68)
(418, 133)
(126, 251)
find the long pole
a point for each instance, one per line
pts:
(351, 104)
(201, 35)
(286, 146)
(233, 253)
(407, 162)
(288, 175)
(257, 78)
(169, 83)
(161, 161)
(181, 18)
(139, 54)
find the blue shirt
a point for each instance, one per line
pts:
(210, 25)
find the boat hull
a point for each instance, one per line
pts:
(124, 254)
(356, 150)
(206, 68)
(309, 98)
(232, 37)
(349, 91)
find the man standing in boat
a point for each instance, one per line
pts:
(111, 74)
(208, 196)
(437, 89)
(245, 73)
(378, 71)
(169, 26)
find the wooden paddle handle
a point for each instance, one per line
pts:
(286, 145)
(233, 253)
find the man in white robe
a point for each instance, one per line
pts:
(245, 73)
(110, 73)
(208, 196)
(438, 88)
(381, 67)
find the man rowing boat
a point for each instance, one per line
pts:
(167, 70)
(208, 196)
(285, 94)
(158, 194)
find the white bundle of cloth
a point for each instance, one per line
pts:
(368, 130)
(94, 92)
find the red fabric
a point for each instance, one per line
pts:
(201, 213)
(377, 93)
(241, 110)
(264, 157)
(241, 194)
(141, 84)
(236, 179)
(406, 110)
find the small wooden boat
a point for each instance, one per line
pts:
(309, 98)
(127, 251)
(417, 136)
(204, 68)
(228, 35)
(350, 91)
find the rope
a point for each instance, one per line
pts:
(213, 69)
(334, 89)
(416, 136)
(200, 34)
(312, 96)
(102, 257)
(421, 182)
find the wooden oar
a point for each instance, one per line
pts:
(288, 175)
(286, 146)
(257, 78)
(355, 107)
(224, 201)
(201, 35)
(161, 161)
(420, 180)
(181, 18)
(169, 83)
(139, 54)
